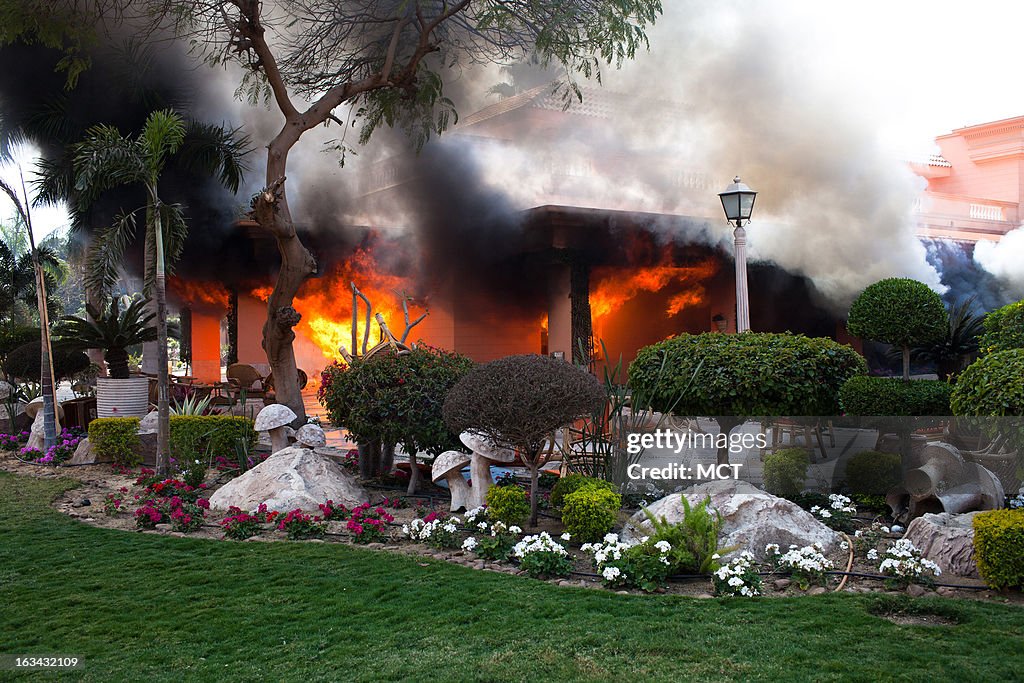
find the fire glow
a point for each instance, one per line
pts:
(615, 286)
(326, 303)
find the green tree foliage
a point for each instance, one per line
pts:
(889, 396)
(960, 343)
(18, 280)
(901, 312)
(395, 399)
(1004, 329)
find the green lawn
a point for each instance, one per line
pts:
(141, 607)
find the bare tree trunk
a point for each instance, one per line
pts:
(150, 352)
(534, 488)
(163, 378)
(96, 300)
(297, 264)
(414, 474)
(726, 425)
(906, 363)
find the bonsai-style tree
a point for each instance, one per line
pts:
(394, 398)
(1004, 329)
(381, 63)
(111, 330)
(736, 376)
(901, 312)
(518, 402)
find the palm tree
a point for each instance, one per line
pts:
(18, 280)
(105, 160)
(961, 341)
(112, 330)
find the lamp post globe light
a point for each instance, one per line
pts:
(738, 202)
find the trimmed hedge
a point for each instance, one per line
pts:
(116, 438)
(1004, 329)
(873, 473)
(209, 435)
(999, 547)
(589, 513)
(893, 397)
(785, 471)
(745, 374)
(507, 504)
(574, 482)
(993, 385)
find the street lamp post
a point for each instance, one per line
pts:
(738, 202)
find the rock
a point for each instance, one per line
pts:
(915, 590)
(751, 518)
(289, 479)
(947, 540)
(946, 592)
(84, 502)
(149, 424)
(85, 454)
(817, 590)
(781, 584)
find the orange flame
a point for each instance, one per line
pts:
(326, 304)
(209, 295)
(615, 287)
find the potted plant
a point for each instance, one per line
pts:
(113, 330)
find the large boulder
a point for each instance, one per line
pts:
(289, 479)
(947, 540)
(150, 424)
(751, 518)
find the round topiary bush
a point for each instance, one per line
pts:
(893, 397)
(1004, 329)
(901, 312)
(519, 401)
(785, 472)
(589, 513)
(507, 504)
(873, 473)
(574, 482)
(24, 362)
(999, 547)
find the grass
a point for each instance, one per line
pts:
(142, 606)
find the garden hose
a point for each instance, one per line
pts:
(849, 562)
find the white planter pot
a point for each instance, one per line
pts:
(122, 397)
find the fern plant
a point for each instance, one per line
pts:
(694, 540)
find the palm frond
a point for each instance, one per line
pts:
(107, 253)
(216, 150)
(161, 137)
(105, 159)
(9, 191)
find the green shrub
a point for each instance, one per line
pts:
(999, 547)
(901, 312)
(1004, 329)
(574, 482)
(116, 438)
(202, 437)
(744, 374)
(507, 504)
(893, 397)
(873, 473)
(993, 386)
(25, 362)
(589, 513)
(785, 471)
(694, 540)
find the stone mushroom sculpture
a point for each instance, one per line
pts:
(448, 466)
(311, 436)
(274, 419)
(484, 455)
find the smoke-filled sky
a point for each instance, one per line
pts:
(815, 104)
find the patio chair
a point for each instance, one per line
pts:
(243, 377)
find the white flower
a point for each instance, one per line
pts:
(611, 538)
(872, 554)
(482, 526)
(735, 581)
(844, 546)
(663, 546)
(771, 549)
(515, 530)
(469, 544)
(611, 573)
(566, 536)
(716, 556)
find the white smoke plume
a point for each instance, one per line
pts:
(1004, 259)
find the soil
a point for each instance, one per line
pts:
(86, 504)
